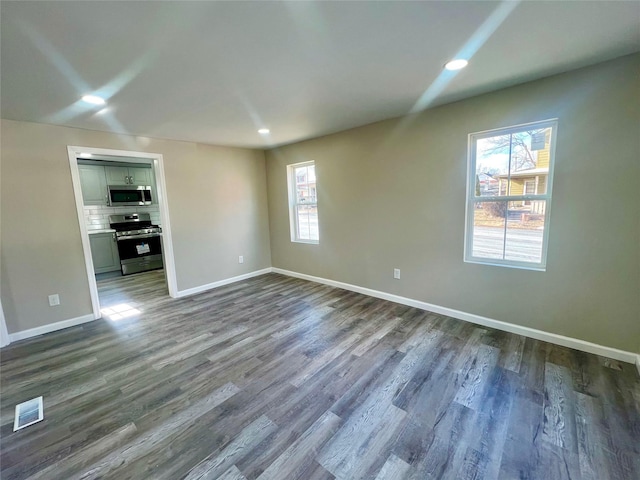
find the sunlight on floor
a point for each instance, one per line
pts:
(118, 312)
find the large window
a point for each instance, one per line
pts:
(303, 202)
(509, 195)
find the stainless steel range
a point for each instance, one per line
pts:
(139, 242)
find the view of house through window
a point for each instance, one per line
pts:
(303, 202)
(509, 195)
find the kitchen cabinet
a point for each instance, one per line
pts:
(128, 175)
(95, 179)
(104, 252)
(94, 184)
(140, 176)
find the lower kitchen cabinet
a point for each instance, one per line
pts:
(104, 251)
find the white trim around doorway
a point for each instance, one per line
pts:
(4, 333)
(167, 243)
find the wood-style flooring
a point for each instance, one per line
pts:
(280, 378)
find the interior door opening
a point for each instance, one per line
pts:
(124, 223)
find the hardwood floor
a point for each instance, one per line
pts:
(280, 378)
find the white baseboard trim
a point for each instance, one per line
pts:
(220, 283)
(554, 338)
(52, 327)
(638, 363)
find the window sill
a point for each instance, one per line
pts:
(310, 242)
(493, 263)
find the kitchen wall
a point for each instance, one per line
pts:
(392, 195)
(97, 217)
(217, 203)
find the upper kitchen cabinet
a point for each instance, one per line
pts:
(128, 175)
(140, 176)
(117, 175)
(94, 184)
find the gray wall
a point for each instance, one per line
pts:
(218, 210)
(392, 194)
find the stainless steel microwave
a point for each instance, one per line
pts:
(123, 195)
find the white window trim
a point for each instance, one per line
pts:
(472, 199)
(291, 189)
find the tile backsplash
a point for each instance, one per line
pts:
(97, 217)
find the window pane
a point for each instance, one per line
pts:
(521, 241)
(301, 175)
(522, 157)
(306, 184)
(531, 150)
(302, 194)
(488, 229)
(307, 222)
(525, 231)
(492, 165)
(311, 172)
(506, 163)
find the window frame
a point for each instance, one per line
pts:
(472, 199)
(293, 203)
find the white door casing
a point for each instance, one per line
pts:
(161, 191)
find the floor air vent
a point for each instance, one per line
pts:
(28, 413)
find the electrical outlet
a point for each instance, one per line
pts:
(396, 273)
(54, 300)
(240, 259)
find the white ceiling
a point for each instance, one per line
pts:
(215, 72)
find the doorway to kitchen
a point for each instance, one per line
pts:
(123, 215)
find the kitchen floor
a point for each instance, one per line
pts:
(129, 294)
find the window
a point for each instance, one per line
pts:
(303, 202)
(529, 189)
(509, 195)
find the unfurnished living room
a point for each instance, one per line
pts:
(320, 240)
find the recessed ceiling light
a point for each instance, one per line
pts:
(86, 155)
(94, 100)
(456, 64)
(263, 131)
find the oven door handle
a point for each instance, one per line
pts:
(135, 237)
